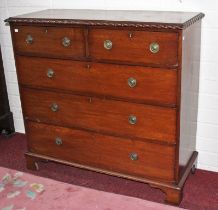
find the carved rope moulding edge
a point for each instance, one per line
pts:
(107, 23)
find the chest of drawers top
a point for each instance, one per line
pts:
(114, 18)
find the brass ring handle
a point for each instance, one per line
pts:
(66, 42)
(50, 73)
(132, 82)
(133, 156)
(154, 47)
(29, 39)
(54, 107)
(108, 44)
(132, 119)
(58, 141)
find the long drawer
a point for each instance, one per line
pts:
(153, 85)
(108, 116)
(49, 41)
(127, 156)
(157, 48)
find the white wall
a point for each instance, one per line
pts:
(207, 135)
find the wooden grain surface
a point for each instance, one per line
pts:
(190, 75)
(100, 115)
(105, 152)
(136, 48)
(161, 20)
(92, 120)
(154, 85)
(48, 41)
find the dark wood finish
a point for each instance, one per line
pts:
(101, 115)
(173, 196)
(6, 116)
(95, 102)
(187, 169)
(155, 20)
(166, 187)
(101, 79)
(32, 163)
(135, 49)
(189, 89)
(48, 41)
(100, 151)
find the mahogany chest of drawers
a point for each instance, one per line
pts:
(111, 91)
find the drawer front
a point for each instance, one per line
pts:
(158, 48)
(128, 82)
(49, 41)
(126, 156)
(108, 116)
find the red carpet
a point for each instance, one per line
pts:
(200, 192)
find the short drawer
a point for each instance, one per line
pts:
(155, 48)
(49, 41)
(106, 116)
(115, 154)
(152, 85)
